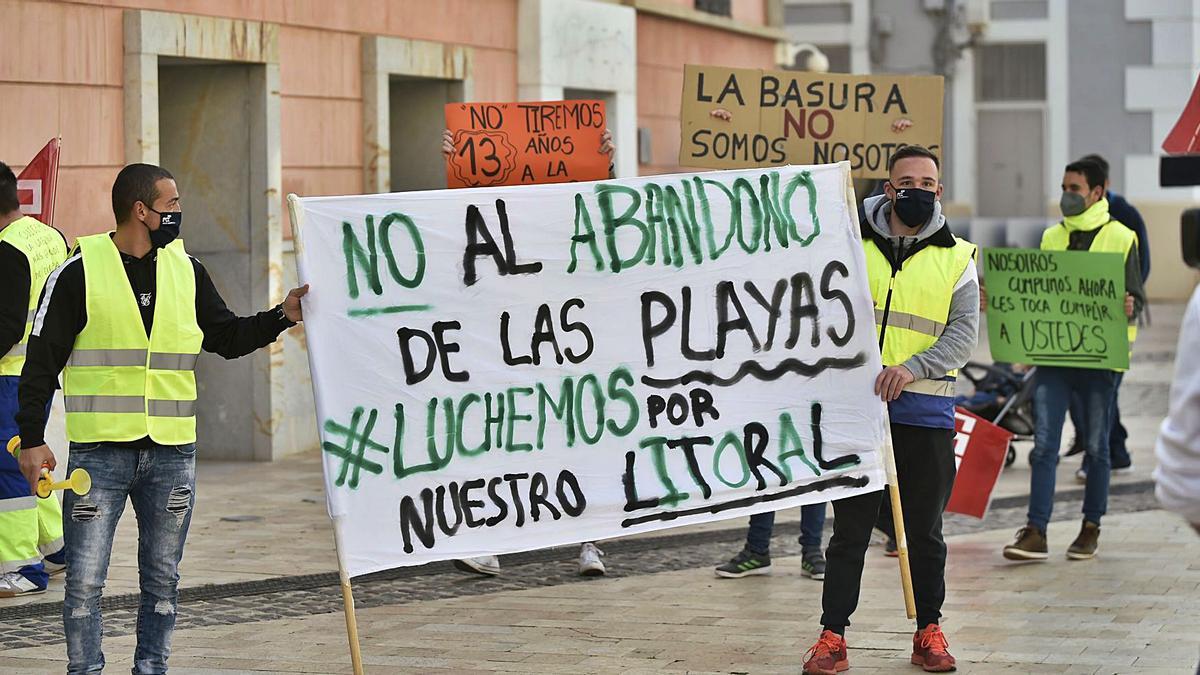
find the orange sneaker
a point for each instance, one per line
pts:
(828, 656)
(929, 650)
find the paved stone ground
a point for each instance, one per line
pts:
(1133, 609)
(302, 595)
(260, 594)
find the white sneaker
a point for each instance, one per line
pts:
(13, 584)
(590, 564)
(488, 565)
(1080, 476)
(1120, 471)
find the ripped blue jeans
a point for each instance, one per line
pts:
(160, 481)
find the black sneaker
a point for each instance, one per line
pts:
(812, 565)
(745, 564)
(890, 549)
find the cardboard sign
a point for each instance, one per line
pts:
(583, 361)
(37, 182)
(1056, 308)
(979, 451)
(784, 116)
(525, 143)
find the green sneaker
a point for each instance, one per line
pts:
(812, 565)
(745, 564)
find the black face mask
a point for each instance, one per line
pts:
(168, 228)
(914, 206)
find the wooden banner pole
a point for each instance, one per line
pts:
(297, 215)
(889, 463)
(348, 603)
(889, 456)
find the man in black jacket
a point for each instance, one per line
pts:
(126, 317)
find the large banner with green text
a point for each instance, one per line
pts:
(1056, 308)
(512, 368)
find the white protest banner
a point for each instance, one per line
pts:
(512, 368)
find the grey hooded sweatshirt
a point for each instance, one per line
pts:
(956, 343)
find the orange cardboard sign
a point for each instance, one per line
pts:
(525, 143)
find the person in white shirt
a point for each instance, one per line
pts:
(1178, 448)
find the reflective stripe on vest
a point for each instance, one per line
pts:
(171, 408)
(129, 404)
(100, 358)
(910, 322)
(1113, 237)
(18, 504)
(911, 310)
(44, 250)
(932, 387)
(120, 385)
(132, 357)
(104, 404)
(160, 361)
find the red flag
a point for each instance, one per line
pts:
(35, 185)
(979, 450)
(1185, 136)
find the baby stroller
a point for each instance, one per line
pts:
(1003, 396)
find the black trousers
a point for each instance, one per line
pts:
(925, 469)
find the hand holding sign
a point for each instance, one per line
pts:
(607, 147)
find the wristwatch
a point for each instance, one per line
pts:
(282, 316)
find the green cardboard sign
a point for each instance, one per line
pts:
(1056, 308)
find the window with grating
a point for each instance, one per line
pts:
(1010, 72)
(719, 7)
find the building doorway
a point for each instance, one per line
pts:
(1010, 164)
(416, 116)
(205, 142)
(1010, 105)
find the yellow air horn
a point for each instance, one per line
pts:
(78, 482)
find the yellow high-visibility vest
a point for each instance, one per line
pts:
(912, 307)
(45, 250)
(120, 385)
(1113, 237)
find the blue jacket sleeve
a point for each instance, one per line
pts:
(1121, 210)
